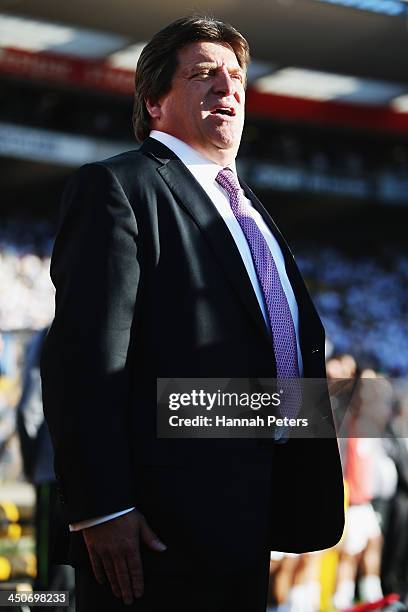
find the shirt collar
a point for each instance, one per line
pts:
(195, 162)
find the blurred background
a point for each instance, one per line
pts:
(325, 146)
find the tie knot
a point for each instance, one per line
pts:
(228, 180)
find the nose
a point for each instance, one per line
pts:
(223, 83)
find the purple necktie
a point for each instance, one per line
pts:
(280, 317)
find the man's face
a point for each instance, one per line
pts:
(205, 106)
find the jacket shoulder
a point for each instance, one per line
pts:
(127, 162)
(131, 170)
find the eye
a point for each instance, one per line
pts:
(201, 74)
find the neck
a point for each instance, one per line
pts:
(222, 157)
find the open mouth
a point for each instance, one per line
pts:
(223, 110)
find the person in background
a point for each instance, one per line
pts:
(394, 571)
(364, 461)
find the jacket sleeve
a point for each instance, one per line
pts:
(85, 357)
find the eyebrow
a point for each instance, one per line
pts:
(201, 65)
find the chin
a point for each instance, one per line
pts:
(229, 149)
(226, 141)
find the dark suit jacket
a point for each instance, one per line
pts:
(150, 284)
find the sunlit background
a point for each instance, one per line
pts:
(325, 146)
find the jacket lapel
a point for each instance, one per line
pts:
(192, 197)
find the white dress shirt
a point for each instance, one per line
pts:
(205, 172)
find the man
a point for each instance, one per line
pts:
(159, 270)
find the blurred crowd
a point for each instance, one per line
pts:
(26, 291)
(363, 304)
(362, 301)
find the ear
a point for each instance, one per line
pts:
(154, 109)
